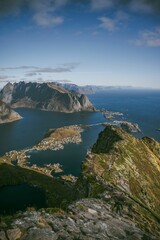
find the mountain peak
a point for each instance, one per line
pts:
(44, 96)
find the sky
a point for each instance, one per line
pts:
(86, 42)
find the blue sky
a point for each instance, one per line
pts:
(95, 42)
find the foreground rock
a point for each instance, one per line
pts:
(7, 114)
(85, 219)
(46, 96)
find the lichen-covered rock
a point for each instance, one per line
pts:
(46, 96)
(85, 219)
(2, 235)
(14, 234)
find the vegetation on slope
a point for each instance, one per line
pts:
(123, 167)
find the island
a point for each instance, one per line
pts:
(110, 114)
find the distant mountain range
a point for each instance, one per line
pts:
(88, 89)
(44, 96)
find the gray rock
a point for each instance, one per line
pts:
(40, 234)
(2, 235)
(87, 219)
(14, 234)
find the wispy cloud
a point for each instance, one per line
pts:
(63, 81)
(101, 4)
(34, 70)
(43, 11)
(142, 6)
(68, 67)
(148, 38)
(2, 77)
(5, 79)
(113, 24)
(52, 70)
(30, 74)
(18, 68)
(45, 20)
(108, 23)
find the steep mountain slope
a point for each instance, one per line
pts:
(125, 172)
(46, 96)
(7, 114)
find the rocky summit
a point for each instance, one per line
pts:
(7, 114)
(45, 96)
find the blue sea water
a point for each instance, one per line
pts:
(140, 106)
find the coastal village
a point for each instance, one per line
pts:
(55, 139)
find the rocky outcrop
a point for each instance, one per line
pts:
(45, 96)
(7, 114)
(85, 219)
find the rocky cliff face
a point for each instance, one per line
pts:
(46, 96)
(7, 114)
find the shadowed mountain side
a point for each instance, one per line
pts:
(55, 190)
